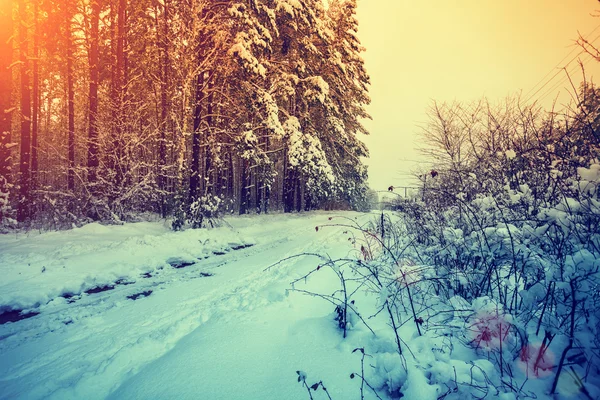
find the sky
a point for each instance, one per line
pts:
(420, 51)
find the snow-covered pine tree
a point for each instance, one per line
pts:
(345, 72)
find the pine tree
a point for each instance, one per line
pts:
(348, 82)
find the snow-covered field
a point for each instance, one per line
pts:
(219, 328)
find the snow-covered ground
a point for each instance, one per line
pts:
(140, 312)
(222, 327)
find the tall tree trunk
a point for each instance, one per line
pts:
(208, 167)
(6, 32)
(117, 34)
(298, 192)
(110, 154)
(36, 98)
(251, 185)
(70, 104)
(126, 155)
(258, 177)
(24, 162)
(92, 161)
(164, 84)
(244, 187)
(195, 172)
(259, 184)
(119, 87)
(288, 185)
(267, 195)
(308, 202)
(230, 176)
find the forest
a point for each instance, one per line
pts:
(185, 108)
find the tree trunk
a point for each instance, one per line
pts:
(70, 105)
(92, 161)
(259, 184)
(24, 164)
(208, 167)
(288, 185)
(195, 167)
(252, 204)
(267, 186)
(164, 84)
(244, 187)
(5, 99)
(36, 98)
(267, 200)
(119, 83)
(299, 194)
(118, 37)
(230, 177)
(308, 204)
(126, 156)
(110, 153)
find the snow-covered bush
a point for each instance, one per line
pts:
(515, 218)
(57, 211)
(420, 343)
(204, 212)
(489, 279)
(7, 217)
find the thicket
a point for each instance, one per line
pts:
(511, 213)
(486, 281)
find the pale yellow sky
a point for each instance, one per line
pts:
(458, 50)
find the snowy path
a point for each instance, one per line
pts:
(221, 328)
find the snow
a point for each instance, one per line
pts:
(288, 6)
(272, 121)
(258, 356)
(211, 314)
(42, 267)
(510, 154)
(317, 89)
(306, 153)
(242, 49)
(590, 179)
(235, 332)
(418, 386)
